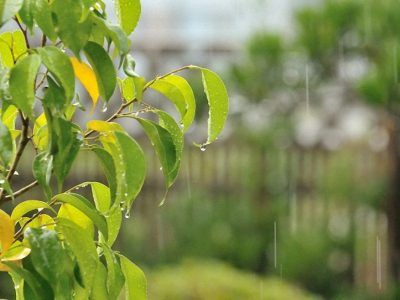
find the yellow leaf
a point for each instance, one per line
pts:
(40, 132)
(6, 231)
(14, 254)
(87, 77)
(103, 126)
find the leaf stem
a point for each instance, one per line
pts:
(24, 31)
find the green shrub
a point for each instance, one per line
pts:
(198, 280)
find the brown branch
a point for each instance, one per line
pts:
(21, 147)
(24, 31)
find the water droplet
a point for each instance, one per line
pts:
(127, 214)
(16, 173)
(104, 109)
(122, 205)
(181, 125)
(203, 148)
(126, 194)
(161, 168)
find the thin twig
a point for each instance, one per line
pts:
(151, 82)
(22, 190)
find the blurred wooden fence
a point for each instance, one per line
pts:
(318, 186)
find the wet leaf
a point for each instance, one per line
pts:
(217, 97)
(73, 31)
(135, 280)
(27, 206)
(6, 145)
(47, 253)
(42, 167)
(84, 249)
(22, 83)
(59, 65)
(82, 204)
(128, 13)
(112, 213)
(87, 77)
(6, 231)
(103, 68)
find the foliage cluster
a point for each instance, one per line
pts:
(60, 247)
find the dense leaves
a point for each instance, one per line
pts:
(60, 246)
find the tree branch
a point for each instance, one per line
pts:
(21, 147)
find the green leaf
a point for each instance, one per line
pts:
(127, 88)
(128, 13)
(165, 148)
(99, 290)
(167, 122)
(218, 102)
(129, 65)
(109, 169)
(179, 92)
(5, 184)
(188, 95)
(139, 83)
(59, 65)
(9, 116)
(135, 280)
(86, 207)
(129, 163)
(67, 143)
(102, 200)
(22, 83)
(54, 99)
(27, 206)
(115, 277)
(73, 31)
(8, 9)
(42, 167)
(172, 93)
(42, 15)
(38, 292)
(12, 47)
(73, 214)
(47, 254)
(84, 250)
(103, 68)
(26, 13)
(6, 145)
(115, 33)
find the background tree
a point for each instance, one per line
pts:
(329, 38)
(50, 247)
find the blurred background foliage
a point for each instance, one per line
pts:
(299, 197)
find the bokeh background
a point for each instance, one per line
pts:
(300, 196)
